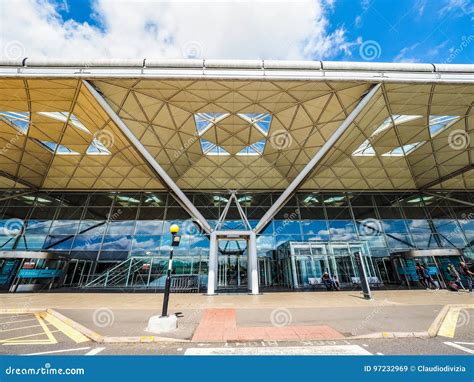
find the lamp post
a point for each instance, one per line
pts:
(174, 229)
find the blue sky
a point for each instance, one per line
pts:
(357, 30)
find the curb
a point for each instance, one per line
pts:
(21, 311)
(73, 324)
(96, 337)
(438, 321)
(387, 335)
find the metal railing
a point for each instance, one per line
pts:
(130, 274)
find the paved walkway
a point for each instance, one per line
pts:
(221, 325)
(180, 301)
(271, 316)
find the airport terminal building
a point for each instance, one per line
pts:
(275, 171)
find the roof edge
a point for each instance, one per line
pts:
(28, 62)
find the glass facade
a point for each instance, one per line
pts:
(108, 228)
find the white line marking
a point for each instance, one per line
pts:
(59, 351)
(464, 343)
(459, 347)
(282, 350)
(379, 353)
(95, 351)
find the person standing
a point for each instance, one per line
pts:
(465, 271)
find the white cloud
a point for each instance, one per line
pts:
(404, 55)
(212, 29)
(457, 8)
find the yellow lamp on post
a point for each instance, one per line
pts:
(174, 229)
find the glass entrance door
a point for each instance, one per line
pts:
(232, 264)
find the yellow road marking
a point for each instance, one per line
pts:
(15, 321)
(46, 329)
(26, 336)
(448, 327)
(21, 327)
(69, 331)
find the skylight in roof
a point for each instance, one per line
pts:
(254, 149)
(364, 150)
(439, 123)
(210, 148)
(261, 121)
(97, 148)
(204, 121)
(55, 148)
(403, 150)
(19, 120)
(64, 116)
(395, 119)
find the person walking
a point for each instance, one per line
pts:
(466, 272)
(421, 275)
(454, 275)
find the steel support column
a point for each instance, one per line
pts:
(318, 157)
(154, 165)
(252, 273)
(212, 272)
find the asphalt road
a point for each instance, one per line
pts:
(42, 338)
(408, 346)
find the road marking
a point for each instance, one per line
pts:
(18, 339)
(16, 321)
(448, 327)
(379, 353)
(21, 327)
(59, 351)
(69, 331)
(457, 346)
(46, 329)
(464, 343)
(282, 350)
(95, 351)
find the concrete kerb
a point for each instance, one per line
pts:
(431, 332)
(438, 321)
(96, 337)
(21, 311)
